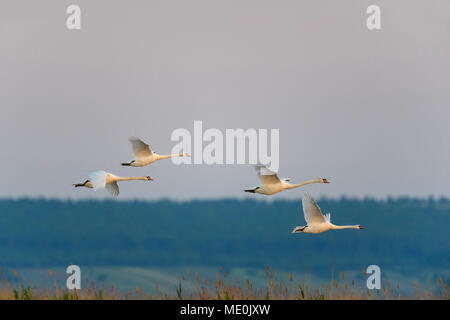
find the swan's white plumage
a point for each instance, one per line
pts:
(271, 183)
(311, 210)
(143, 156)
(263, 170)
(140, 148)
(102, 179)
(316, 221)
(113, 188)
(97, 179)
(266, 175)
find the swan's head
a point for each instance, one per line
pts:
(148, 178)
(182, 154)
(324, 180)
(360, 226)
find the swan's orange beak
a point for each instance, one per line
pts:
(325, 180)
(149, 179)
(361, 227)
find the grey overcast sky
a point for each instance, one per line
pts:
(369, 110)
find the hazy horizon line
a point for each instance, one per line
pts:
(238, 199)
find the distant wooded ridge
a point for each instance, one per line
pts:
(404, 234)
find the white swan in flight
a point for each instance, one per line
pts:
(316, 222)
(271, 184)
(101, 179)
(144, 156)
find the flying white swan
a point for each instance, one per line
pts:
(316, 222)
(270, 183)
(144, 156)
(101, 179)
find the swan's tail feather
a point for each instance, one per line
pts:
(128, 163)
(252, 190)
(298, 229)
(80, 184)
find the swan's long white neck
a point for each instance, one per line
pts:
(167, 156)
(334, 227)
(131, 178)
(292, 186)
(116, 178)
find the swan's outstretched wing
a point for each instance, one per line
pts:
(98, 179)
(311, 210)
(266, 175)
(113, 188)
(140, 148)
